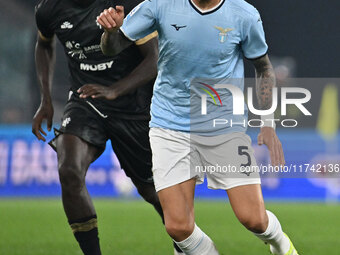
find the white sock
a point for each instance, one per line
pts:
(198, 243)
(279, 243)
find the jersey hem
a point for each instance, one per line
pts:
(236, 129)
(256, 58)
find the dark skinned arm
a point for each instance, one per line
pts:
(113, 41)
(145, 72)
(44, 62)
(265, 82)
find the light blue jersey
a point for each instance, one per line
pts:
(197, 48)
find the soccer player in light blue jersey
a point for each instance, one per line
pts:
(203, 43)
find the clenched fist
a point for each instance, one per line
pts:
(111, 19)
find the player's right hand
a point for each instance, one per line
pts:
(45, 111)
(268, 137)
(111, 19)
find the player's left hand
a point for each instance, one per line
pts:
(97, 91)
(268, 137)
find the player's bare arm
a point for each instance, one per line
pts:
(265, 82)
(113, 42)
(44, 61)
(145, 72)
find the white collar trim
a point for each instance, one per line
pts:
(209, 10)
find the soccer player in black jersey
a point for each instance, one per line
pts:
(120, 90)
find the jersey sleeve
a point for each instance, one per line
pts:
(147, 38)
(254, 42)
(141, 21)
(42, 18)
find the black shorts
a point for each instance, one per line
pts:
(129, 138)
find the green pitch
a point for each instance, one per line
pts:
(39, 227)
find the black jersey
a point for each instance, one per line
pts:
(76, 28)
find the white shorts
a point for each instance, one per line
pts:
(226, 160)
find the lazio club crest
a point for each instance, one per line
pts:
(222, 36)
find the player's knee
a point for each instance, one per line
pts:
(255, 224)
(70, 178)
(179, 230)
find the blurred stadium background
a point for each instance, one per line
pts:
(304, 41)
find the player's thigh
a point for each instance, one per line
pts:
(130, 142)
(229, 161)
(171, 158)
(248, 204)
(81, 138)
(174, 182)
(75, 154)
(236, 172)
(178, 202)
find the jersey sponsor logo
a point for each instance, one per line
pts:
(66, 25)
(177, 27)
(66, 121)
(222, 36)
(75, 50)
(69, 45)
(92, 48)
(97, 67)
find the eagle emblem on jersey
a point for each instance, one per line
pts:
(222, 36)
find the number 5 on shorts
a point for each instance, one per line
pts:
(242, 151)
